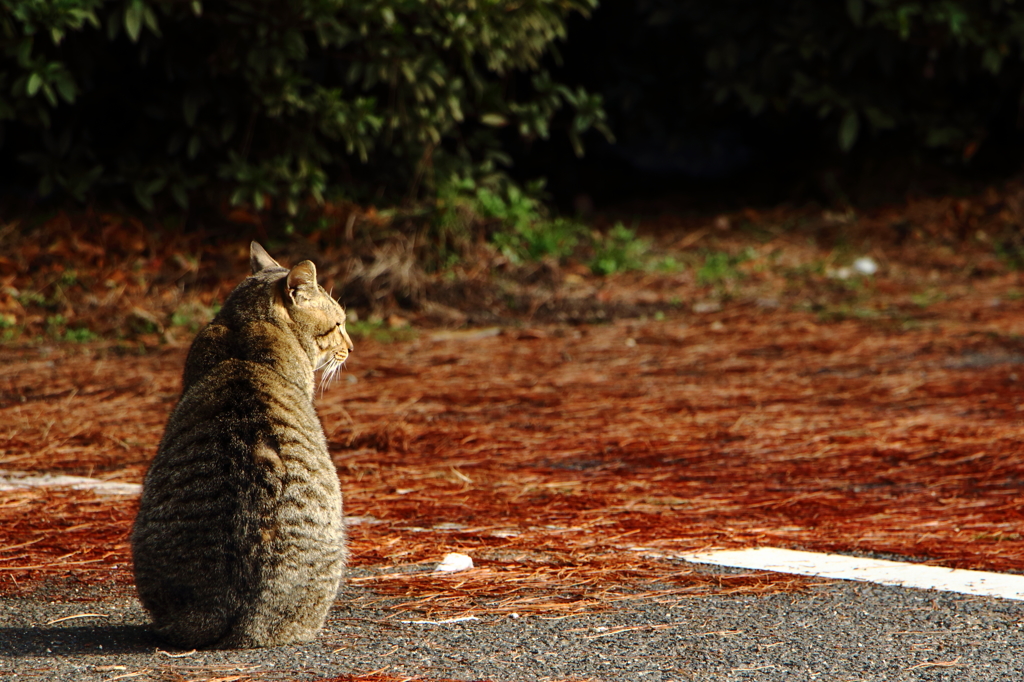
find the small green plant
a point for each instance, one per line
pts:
(54, 323)
(27, 298)
(669, 264)
(192, 316)
(843, 312)
(515, 208)
(927, 298)
(716, 268)
(9, 329)
(542, 238)
(80, 335)
(56, 328)
(68, 278)
(525, 233)
(520, 228)
(378, 331)
(142, 322)
(618, 251)
(451, 221)
(1011, 252)
(720, 267)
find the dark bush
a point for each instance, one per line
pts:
(272, 101)
(708, 89)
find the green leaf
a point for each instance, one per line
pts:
(227, 130)
(855, 8)
(190, 109)
(156, 185)
(66, 87)
(45, 186)
(63, 144)
(23, 52)
(35, 81)
(51, 96)
(180, 195)
(495, 120)
(133, 15)
(144, 200)
(878, 119)
(79, 184)
(848, 129)
(150, 18)
(113, 25)
(992, 60)
(943, 136)
(93, 175)
(577, 145)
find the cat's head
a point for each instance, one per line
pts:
(316, 318)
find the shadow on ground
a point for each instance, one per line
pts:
(101, 640)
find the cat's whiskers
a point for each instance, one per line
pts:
(325, 370)
(329, 370)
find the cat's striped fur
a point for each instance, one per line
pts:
(240, 539)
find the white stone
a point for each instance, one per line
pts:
(865, 265)
(454, 562)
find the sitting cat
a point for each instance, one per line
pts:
(240, 540)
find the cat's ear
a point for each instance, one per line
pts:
(259, 259)
(302, 284)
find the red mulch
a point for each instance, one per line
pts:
(572, 463)
(875, 415)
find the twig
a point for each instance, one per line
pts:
(77, 615)
(937, 664)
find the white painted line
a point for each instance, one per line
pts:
(920, 576)
(18, 480)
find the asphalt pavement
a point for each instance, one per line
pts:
(842, 631)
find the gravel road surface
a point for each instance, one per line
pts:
(833, 631)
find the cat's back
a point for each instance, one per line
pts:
(248, 400)
(241, 489)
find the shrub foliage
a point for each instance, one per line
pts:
(272, 100)
(938, 74)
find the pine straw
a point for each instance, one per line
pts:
(573, 464)
(63, 534)
(382, 676)
(114, 276)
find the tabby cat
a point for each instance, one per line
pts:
(240, 540)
